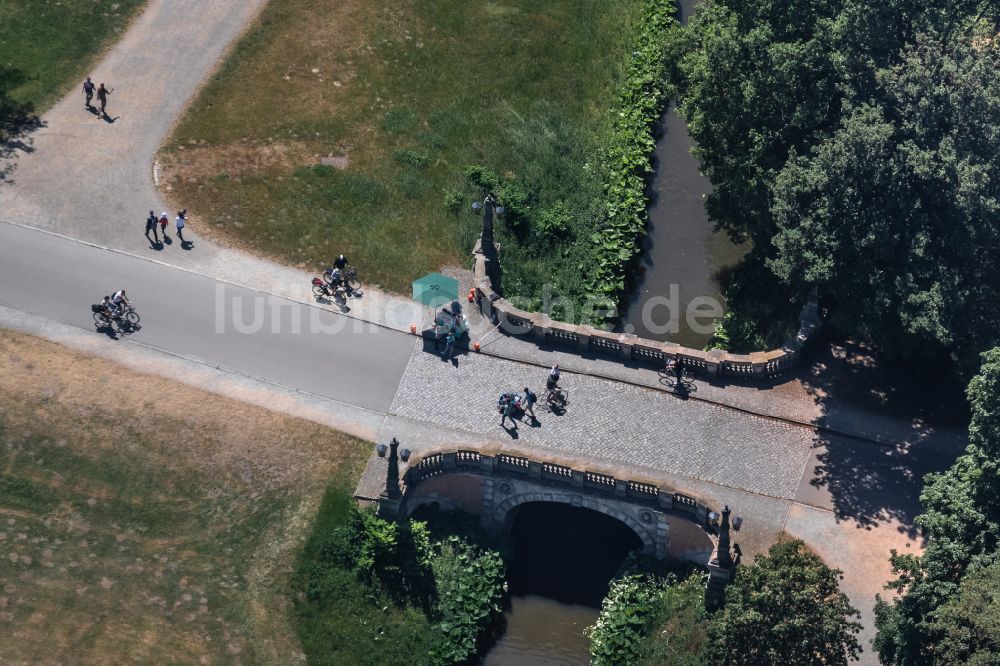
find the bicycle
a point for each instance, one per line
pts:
(126, 319)
(668, 377)
(350, 282)
(556, 400)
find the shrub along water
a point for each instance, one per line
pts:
(373, 591)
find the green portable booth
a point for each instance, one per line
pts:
(435, 290)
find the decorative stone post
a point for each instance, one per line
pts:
(720, 567)
(389, 500)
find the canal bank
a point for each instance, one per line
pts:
(683, 257)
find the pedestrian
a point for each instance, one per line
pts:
(508, 408)
(88, 92)
(151, 226)
(102, 97)
(449, 346)
(180, 222)
(164, 219)
(529, 403)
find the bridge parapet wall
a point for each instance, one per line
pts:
(493, 484)
(713, 363)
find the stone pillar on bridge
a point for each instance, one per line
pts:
(720, 567)
(389, 502)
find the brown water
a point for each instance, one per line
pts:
(564, 559)
(543, 631)
(681, 254)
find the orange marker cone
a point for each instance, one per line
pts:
(413, 329)
(475, 345)
(472, 294)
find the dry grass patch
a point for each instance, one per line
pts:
(143, 520)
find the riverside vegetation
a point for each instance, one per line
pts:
(379, 592)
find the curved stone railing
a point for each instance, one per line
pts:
(714, 363)
(496, 464)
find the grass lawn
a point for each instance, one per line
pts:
(145, 521)
(400, 98)
(53, 43)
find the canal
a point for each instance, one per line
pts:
(682, 256)
(564, 559)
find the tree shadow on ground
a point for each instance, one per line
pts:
(869, 484)
(911, 419)
(17, 123)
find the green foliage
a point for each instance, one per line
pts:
(471, 583)
(627, 615)
(454, 201)
(969, 622)
(679, 635)
(854, 143)
(378, 592)
(483, 178)
(555, 223)
(961, 524)
(787, 608)
(625, 160)
(412, 157)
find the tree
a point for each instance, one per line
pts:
(855, 144)
(970, 621)
(961, 522)
(786, 608)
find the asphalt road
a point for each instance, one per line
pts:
(302, 347)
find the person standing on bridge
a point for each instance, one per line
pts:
(151, 226)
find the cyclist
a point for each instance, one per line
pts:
(552, 383)
(676, 366)
(340, 262)
(119, 301)
(107, 308)
(335, 280)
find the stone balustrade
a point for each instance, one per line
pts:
(714, 363)
(554, 473)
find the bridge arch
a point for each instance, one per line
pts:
(493, 486)
(504, 512)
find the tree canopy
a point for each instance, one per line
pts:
(961, 522)
(857, 145)
(786, 608)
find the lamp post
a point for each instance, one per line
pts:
(390, 499)
(488, 207)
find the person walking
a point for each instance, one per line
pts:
(164, 219)
(449, 346)
(508, 410)
(180, 222)
(529, 403)
(102, 97)
(88, 92)
(151, 226)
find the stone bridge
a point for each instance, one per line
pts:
(492, 485)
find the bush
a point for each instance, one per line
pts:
(374, 591)
(454, 201)
(471, 583)
(412, 157)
